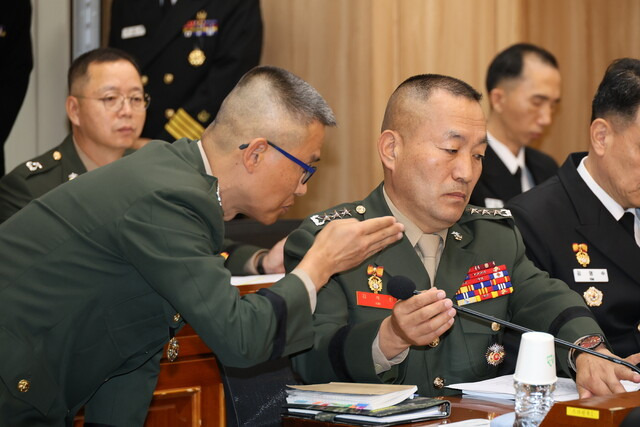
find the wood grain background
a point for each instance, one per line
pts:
(355, 52)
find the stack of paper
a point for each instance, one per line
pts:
(357, 395)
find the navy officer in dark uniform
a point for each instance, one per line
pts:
(191, 53)
(582, 225)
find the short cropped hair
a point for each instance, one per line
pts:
(297, 97)
(80, 65)
(508, 64)
(619, 92)
(421, 87)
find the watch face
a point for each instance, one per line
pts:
(591, 342)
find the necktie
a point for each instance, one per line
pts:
(428, 245)
(627, 221)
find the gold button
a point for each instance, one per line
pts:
(144, 79)
(435, 342)
(177, 317)
(495, 326)
(169, 112)
(57, 155)
(204, 116)
(438, 382)
(361, 209)
(638, 327)
(23, 386)
(168, 78)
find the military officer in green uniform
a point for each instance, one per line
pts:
(106, 107)
(100, 273)
(431, 147)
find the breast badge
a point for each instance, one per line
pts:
(593, 297)
(495, 354)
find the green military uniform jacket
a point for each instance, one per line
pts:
(345, 330)
(38, 176)
(97, 274)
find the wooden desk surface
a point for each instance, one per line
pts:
(462, 408)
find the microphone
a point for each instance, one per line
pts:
(403, 288)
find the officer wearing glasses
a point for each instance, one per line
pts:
(106, 107)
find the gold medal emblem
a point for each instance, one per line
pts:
(173, 349)
(581, 253)
(495, 354)
(197, 57)
(374, 280)
(593, 297)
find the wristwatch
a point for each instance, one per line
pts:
(588, 342)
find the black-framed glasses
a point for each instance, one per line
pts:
(115, 102)
(308, 170)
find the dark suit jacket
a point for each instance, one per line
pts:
(563, 211)
(94, 272)
(197, 90)
(344, 330)
(497, 182)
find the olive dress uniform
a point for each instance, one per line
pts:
(497, 182)
(38, 176)
(99, 273)
(345, 325)
(563, 217)
(16, 62)
(190, 57)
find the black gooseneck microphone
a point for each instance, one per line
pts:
(403, 288)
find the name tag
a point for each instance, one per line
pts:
(586, 275)
(369, 299)
(133, 32)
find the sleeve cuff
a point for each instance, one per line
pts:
(311, 288)
(380, 362)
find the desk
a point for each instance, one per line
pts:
(462, 408)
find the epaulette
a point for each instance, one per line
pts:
(43, 163)
(341, 212)
(474, 212)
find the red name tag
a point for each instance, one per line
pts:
(369, 299)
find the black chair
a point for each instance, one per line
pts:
(632, 419)
(254, 396)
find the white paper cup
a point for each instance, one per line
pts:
(536, 359)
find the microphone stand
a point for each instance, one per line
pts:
(557, 340)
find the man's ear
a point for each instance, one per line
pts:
(389, 146)
(497, 98)
(253, 155)
(600, 132)
(73, 110)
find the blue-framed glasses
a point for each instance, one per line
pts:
(308, 170)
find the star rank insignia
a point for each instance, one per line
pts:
(492, 212)
(457, 236)
(323, 218)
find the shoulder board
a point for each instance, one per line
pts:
(472, 213)
(351, 210)
(42, 163)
